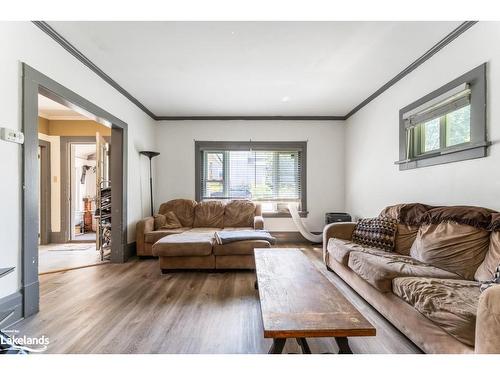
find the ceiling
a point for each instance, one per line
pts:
(252, 68)
(85, 151)
(52, 110)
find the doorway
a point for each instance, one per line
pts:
(35, 84)
(72, 240)
(83, 192)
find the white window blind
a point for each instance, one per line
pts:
(259, 175)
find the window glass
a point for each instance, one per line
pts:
(431, 136)
(458, 126)
(215, 166)
(241, 165)
(214, 189)
(271, 176)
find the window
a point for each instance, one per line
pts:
(447, 125)
(272, 173)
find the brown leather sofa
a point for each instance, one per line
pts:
(193, 245)
(429, 287)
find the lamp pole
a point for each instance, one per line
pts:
(150, 155)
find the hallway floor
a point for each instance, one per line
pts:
(53, 257)
(89, 236)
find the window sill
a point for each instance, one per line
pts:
(283, 214)
(450, 155)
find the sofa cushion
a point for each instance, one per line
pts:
(376, 232)
(405, 236)
(239, 228)
(209, 214)
(380, 270)
(183, 209)
(495, 280)
(450, 304)
(159, 221)
(152, 237)
(406, 213)
(205, 230)
(340, 249)
(184, 244)
(495, 222)
(408, 217)
(451, 246)
(239, 213)
(171, 221)
(487, 268)
(477, 217)
(240, 247)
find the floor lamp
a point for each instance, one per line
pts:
(150, 155)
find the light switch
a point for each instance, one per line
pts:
(11, 135)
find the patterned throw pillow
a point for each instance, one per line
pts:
(379, 233)
(495, 280)
(171, 221)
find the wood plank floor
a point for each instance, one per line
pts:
(133, 308)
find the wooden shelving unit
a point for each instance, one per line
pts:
(104, 220)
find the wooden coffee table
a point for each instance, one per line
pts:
(297, 301)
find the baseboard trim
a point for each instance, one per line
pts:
(57, 237)
(282, 237)
(13, 305)
(31, 299)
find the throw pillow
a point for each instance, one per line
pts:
(159, 221)
(379, 233)
(171, 221)
(493, 281)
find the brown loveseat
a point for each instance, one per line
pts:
(429, 286)
(193, 245)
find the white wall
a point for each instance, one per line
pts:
(372, 179)
(175, 167)
(24, 42)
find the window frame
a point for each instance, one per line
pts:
(475, 148)
(221, 146)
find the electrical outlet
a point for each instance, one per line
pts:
(11, 135)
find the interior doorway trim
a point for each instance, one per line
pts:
(45, 192)
(65, 144)
(34, 83)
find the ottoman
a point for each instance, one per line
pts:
(185, 251)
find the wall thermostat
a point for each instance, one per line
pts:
(11, 135)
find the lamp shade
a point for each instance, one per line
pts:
(149, 154)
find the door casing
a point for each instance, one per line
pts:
(45, 192)
(34, 83)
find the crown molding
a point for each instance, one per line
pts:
(463, 27)
(249, 118)
(46, 28)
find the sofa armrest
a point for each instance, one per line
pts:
(488, 321)
(258, 222)
(142, 227)
(342, 231)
